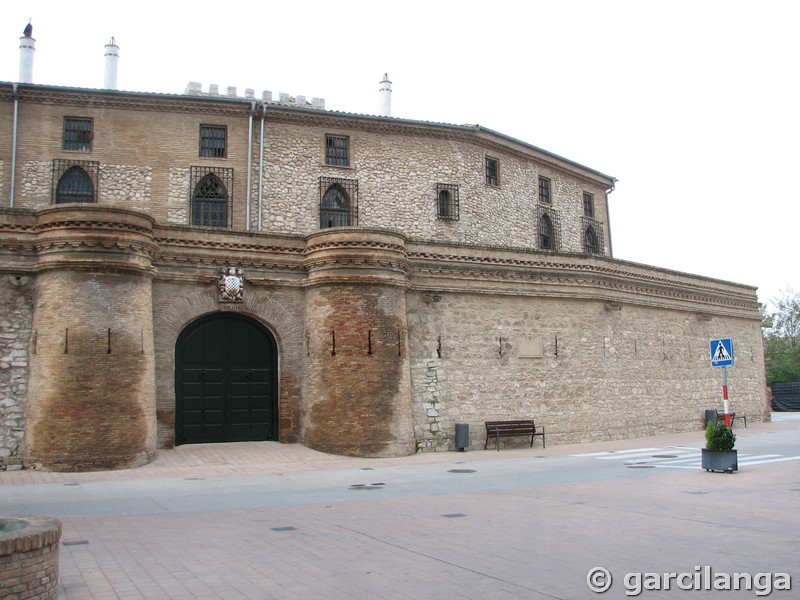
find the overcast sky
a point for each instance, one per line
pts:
(691, 104)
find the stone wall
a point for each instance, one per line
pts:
(397, 173)
(602, 374)
(16, 306)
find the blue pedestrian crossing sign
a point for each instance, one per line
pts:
(721, 352)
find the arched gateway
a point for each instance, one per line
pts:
(226, 373)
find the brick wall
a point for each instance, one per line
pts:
(177, 303)
(356, 387)
(91, 398)
(29, 558)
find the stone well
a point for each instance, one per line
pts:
(29, 557)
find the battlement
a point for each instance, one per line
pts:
(195, 88)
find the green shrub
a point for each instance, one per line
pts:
(719, 437)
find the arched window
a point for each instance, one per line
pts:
(75, 185)
(545, 233)
(590, 241)
(210, 202)
(334, 208)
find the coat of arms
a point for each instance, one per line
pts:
(231, 285)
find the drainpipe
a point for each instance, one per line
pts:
(608, 216)
(249, 161)
(261, 164)
(14, 145)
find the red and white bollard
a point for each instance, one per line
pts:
(725, 397)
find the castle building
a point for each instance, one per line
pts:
(209, 267)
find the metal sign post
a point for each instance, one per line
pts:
(725, 400)
(722, 356)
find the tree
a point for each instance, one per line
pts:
(786, 321)
(781, 347)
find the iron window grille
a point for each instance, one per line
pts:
(75, 181)
(78, 134)
(338, 202)
(213, 141)
(549, 228)
(447, 205)
(337, 150)
(593, 236)
(544, 190)
(212, 196)
(588, 204)
(492, 171)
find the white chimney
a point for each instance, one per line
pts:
(27, 46)
(112, 58)
(385, 97)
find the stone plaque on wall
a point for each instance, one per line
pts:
(530, 347)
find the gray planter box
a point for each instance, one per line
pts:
(720, 460)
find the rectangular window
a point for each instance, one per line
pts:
(447, 202)
(78, 134)
(544, 190)
(213, 141)
(492, 171)
(337, 150)
(588, 204)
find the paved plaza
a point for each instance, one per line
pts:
(264, 520)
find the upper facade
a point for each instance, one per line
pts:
(293, 168)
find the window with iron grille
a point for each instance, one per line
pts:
(75, 181)
(447, 201)
(588, 204)
(78, 134)
(492, 171)
(337, 150)
(544, 190)
(338, 202)
(212, 196)
(213, 141)
(593, 236)
(549, 224)
(545, 233)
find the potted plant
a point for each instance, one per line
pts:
(719, 454)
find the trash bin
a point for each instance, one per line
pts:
(462, 436)
(711, 415)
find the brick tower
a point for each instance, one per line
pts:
(357, 389)
(92, 385)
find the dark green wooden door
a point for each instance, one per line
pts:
(225, 382)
